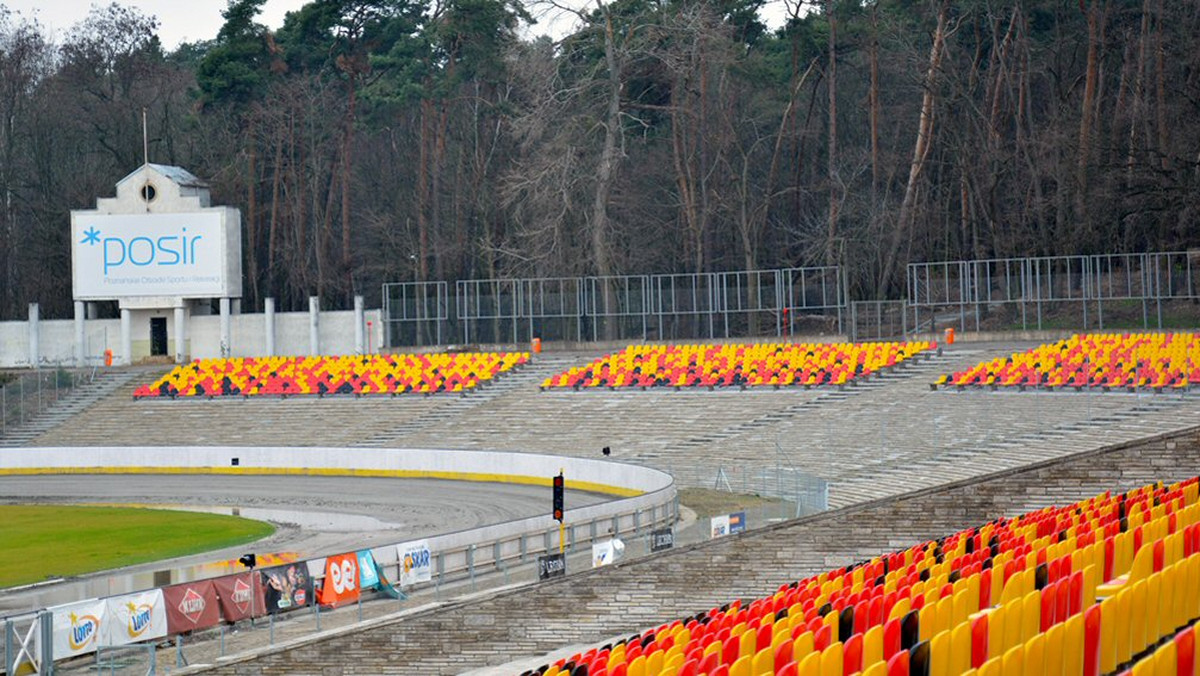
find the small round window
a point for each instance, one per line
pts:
(149, 193)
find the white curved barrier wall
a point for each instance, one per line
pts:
(528, 468)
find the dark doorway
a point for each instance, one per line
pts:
(158, 336)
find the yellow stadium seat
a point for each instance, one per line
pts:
(831, 660)
(1052, 651)
(742, 667)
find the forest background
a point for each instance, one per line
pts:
(398, 140)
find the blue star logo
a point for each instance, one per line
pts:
(91, 236)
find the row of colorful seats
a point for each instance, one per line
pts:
(738, 365)
(1142, 360)
(363, 374)
(1077, 590)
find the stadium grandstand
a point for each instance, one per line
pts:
(734, 365)
(1151, 360)
(1013, 596)
(357, 375)
(965, 530)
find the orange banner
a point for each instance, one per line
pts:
(341, 579)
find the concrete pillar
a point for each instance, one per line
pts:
(226, 338)
(80, 334)
(314, 316)
(35, 350)
(126, 338)
(269, 315)
(181, 337)
(358, 325)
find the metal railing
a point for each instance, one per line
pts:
(878, 320)
(1147, 290)
(691, 306)
(27, 394)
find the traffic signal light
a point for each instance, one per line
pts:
(558, 497)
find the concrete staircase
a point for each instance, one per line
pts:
(74, 403)
(524, 381)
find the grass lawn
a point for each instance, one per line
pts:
(39, 542)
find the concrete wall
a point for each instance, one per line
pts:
(247, 333)
(592, 607)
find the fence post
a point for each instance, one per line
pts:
(46, 628)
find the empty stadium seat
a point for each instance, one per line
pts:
(390, 374)
(738, 365)
(1132, 361)
(928, 609)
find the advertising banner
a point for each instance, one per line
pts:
(367, 577)
(128, 255)
(77, 627)
(341, 579)
(552, 565)
(240, 597)
(191, 606)
(728, 524)
(602, 553)
(134, 618)
(662, 539)
(416, 562)
(286, 587)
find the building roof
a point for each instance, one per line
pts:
(177, 175)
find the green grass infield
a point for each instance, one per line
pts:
(40, 542)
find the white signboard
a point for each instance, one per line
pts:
(416, 562)
(135, 617)
(78, 627)
(602, 553)
(188, 255)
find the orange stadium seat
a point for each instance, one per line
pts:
(357, 375)
(1112, 361)
(929, 609)
(755, 365)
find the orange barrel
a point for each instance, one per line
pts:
(108, 357)
(537, 345)
(950, 336)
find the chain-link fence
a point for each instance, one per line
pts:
(23, 396)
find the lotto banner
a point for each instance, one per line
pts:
(241, 598)
(134, 618)
(367, 577)
(77, 627)
(191, 606)
(416, 562)
(287, 587)
(341, 579)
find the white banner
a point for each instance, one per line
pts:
(416, 562)
(127, 255)
(719, 526)
(135, 617)
(77, 627)
(602, 553)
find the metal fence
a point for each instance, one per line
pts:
(711, 305)
(27, 394)
(878, 320)
(1148, 290)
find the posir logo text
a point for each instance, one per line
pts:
(83, 631)
(166, 250)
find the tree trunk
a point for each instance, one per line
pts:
(606, 169)
(347, 173)
(920, 151)
(834, 193)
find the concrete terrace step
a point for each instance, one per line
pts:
(75, 402)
